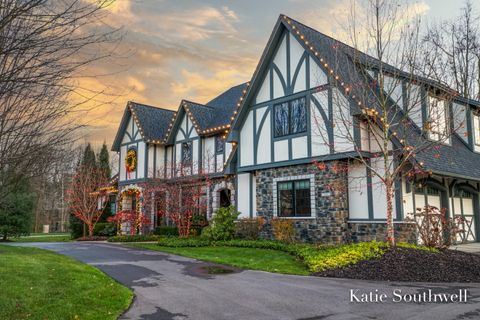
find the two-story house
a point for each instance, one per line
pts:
(278, 147)
(291, 119)
(155, 144)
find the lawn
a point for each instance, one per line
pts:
(39, 284)
(248, 258)
(44, 237)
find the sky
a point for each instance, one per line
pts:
(195, 50)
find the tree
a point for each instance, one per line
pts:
(89, 158)
(180, 197)
(381, 99)
(47, 47)
(86, 201)
(451, 52)
(104, 161)
(16, 210)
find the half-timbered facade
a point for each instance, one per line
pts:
(296, 157)
(278, 146)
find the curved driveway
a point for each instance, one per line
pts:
(171, 287)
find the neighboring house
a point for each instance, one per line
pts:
(272, 147)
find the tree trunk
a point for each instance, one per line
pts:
(90, 230)
(5, 237)
(390, 227)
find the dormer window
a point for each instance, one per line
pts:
(290, 117)
(437, 121)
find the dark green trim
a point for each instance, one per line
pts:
(250, 187)
(258, 132)
(337, 156)
(280, 77)
(297, 71)
(369, 191)
(288, 62)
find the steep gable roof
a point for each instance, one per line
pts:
(343, 64)
(214, 116)
(153, 123)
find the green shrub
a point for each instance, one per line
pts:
(135, 238)
(183, 242)
(105, 229)
(222, 226)
(166, 231)
(249, 228)
(76, 227)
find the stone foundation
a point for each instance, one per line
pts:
(329, 222)
(366, 231)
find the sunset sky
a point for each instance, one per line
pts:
(194, 50)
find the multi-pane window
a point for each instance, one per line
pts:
(219, 144)
(476, 128)
(294, 198)
(290, 117)
(437, 125)
(187, 152)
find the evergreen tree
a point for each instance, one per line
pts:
(104, 160)
(16, 209)
(89, 159)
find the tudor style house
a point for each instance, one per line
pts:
(155, 143)
(274, 147)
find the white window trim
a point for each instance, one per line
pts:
(313, 211)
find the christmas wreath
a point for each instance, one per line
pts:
(131, 160)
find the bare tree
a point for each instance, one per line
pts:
(387, 112)
(46, 47)
(451, 52)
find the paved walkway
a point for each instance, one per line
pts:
(468, 247)
(171, 287)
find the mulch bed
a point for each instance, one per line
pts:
(402, 264)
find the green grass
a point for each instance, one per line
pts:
(275, 256)
(42, 237)
(248, 258)
(39, 284)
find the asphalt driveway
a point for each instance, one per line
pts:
(172, 287)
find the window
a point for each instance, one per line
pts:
(437, 124)
(219, 145)
(476, 128)
(294, 198)
(187, 152)
(290, 117)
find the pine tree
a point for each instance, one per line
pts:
(104, 160)
(89, 159)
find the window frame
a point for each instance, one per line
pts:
(294, 198)
(476, 128)
(217, 139)
(190, 143)
(437, 135)
(289, 103)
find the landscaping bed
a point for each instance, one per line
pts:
(39, 284)
(366, 260)
(407, 264)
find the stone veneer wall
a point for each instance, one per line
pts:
(331, 201)
(367, 231)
